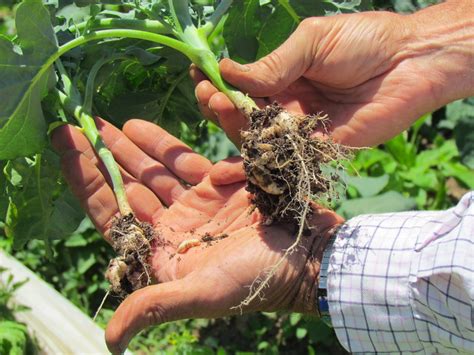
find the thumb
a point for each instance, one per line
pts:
(181, 299)
(148, 306)
(276, 71)
(228, 171)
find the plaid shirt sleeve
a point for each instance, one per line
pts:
(404, 282)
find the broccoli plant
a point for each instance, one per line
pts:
(71, 61)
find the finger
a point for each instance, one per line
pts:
(231, 120)
(143, 201)
(277, 70)
(68, 137)
(203, 92)
(228, 171)
(89, 186)
(174, 154)
(170, 301)
(86, 181)
(145, 169)
(207, 113)
(196, 74)
(324, 220)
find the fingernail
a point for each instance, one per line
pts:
(196, 93)
(210, 108)
(240, 67)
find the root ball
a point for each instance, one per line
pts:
(284, 163)
(130, 270)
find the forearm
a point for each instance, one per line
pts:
(444, 35)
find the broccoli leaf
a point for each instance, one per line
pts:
(254, 28)
(41, 206)
(22, 127)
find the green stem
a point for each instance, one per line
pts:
(185, 29)
(164, 101)
(215, 18)
(119, 23)
(204, 58)
(286, 5)
(207, 62)
(91, 132)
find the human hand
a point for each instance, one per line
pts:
(373, 73)
(183, 196)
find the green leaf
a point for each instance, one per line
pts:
(295, 318)
(308, 8)
(3, 194)
(460, 172)
(368, 186)
(241, 29)
(40, 207)
(403, 151)
(301, 332)
(464, 135)
(436, 155)
(13, 338)
(22, 126)
(456, 111)
(255, 28)
(85, 263)
(421, 177)
(76, 240)
(390, 201)
(277, 27)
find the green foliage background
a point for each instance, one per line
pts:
(428, 167)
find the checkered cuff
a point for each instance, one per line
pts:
(404, 282)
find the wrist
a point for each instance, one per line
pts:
(441, 37)
(306, 299)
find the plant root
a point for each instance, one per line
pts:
(284, 164)
(130, 270)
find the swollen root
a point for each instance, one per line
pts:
(286, 166)
(130, 270)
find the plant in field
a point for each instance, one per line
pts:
(14, 338)
(54, 68)
(428, 167)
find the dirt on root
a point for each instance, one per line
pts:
(132, 241)
(284, 162)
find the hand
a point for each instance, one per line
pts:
(184, 197)
(373, 73)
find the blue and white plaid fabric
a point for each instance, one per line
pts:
(404, 282)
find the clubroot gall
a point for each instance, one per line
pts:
(283, 161)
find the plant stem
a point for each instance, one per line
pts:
(90, 131)
(119, 23)
(164, 101)
(220, 11)
(205, 59)
(207, 62)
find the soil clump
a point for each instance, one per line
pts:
(132, 240)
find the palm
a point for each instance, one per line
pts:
(219, 266)
(206, 281)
